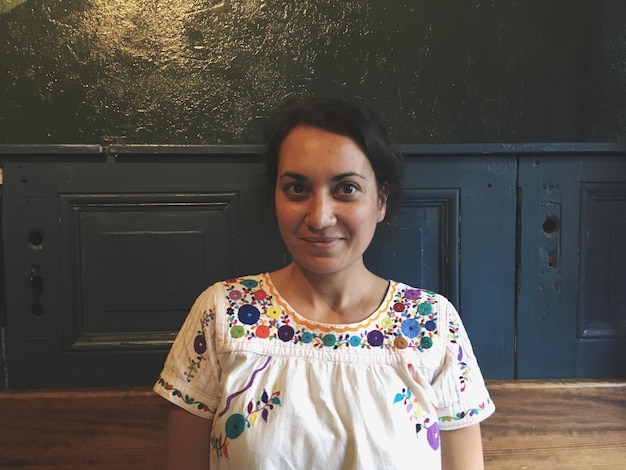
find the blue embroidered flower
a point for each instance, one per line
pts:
(410, 328)
(306, 337)
(249, 283)
(248, 314)
(329, 339)
(426, 342)
(424, 308)
(355, 340)
(235, 425)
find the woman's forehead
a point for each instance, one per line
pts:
(306, 147)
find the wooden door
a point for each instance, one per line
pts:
(571, 319)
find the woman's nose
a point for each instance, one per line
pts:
(321, 213)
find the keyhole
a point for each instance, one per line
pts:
(551, 225)
(36, 283)
(35, 239)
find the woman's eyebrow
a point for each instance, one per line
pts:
(348, 174)
(339, 177)
(292, 175)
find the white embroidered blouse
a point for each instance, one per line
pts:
(287, 392)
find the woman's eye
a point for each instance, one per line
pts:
(295, 188)
(349, 188)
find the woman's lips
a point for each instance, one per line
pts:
(322, 242)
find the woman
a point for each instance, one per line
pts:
(323, 364)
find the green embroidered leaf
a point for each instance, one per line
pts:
(276, 401)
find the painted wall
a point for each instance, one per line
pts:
(206, 72)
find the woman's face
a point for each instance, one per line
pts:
(327, 200)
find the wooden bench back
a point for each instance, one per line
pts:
(537, 425)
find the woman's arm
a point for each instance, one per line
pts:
(188, 440)
(462, 449)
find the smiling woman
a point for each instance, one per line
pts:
(327, 202)
(343, 367)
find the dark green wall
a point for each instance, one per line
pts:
(206, 72)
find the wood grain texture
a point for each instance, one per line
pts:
(556, 424)
(537, 425)
(74, 429)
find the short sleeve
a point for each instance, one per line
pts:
(459, 384)
(191, 374)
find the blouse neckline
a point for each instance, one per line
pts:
(373, 318)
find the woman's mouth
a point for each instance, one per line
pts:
(321, 242)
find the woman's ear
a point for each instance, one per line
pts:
(383, 194)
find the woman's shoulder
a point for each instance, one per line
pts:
(235, 288)
(417, 295)
(414, 318)
(244, 282)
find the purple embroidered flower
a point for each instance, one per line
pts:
(433, 436)
(285, 333)
(234, 295)
(410, 328)
(199, 344)
(375, 338)
(412, 294)
(248, 314)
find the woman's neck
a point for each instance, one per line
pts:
(331, 298)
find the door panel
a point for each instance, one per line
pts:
(455, 235)
(572, 309)
(108, 258)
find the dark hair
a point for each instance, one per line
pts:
(343, 117)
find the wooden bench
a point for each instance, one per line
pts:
(538, 425)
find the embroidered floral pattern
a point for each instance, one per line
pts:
(464, 368)
(414, 410)
(409, 321)
(468, 413)
(184, 398)
(256, 339)
(237, 423)
(199, 346)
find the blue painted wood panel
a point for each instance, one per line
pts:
(571, 313)
(104, 255)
